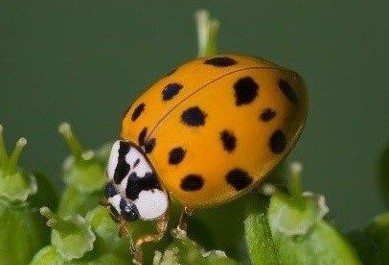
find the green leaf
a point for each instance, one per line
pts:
(47, 256)
(22, 233)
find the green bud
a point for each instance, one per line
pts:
(84, 174)
(73, 240)
(107, 233)
(72, 237)
(22, 231)
(299, 233)
(185, 251)
(15, 183)
(81, 170)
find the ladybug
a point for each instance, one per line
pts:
(206, 133)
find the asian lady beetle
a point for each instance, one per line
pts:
(206, 133)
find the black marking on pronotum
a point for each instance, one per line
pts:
(176, 155)
(193, 116)
(128, 211)
(137, 161)
(136, 184)
(192, 182)
(171, 90)
(138, 111)
(220, 61)
(267, 114)
(229, 140)
(246, 90)
(238, 179)
(122, 168)
(288, 91)
(277, 142)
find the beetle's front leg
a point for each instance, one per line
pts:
(161, 227)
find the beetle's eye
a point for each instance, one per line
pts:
(110, 190)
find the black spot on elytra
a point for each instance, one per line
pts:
(176, 155)
(192, 182)
(246, 90)
(193, 116)
(220, 61)
(149, 145)
(267, 114)
(142, 136)
(288, 91)
(229, 140)
(277, 142)
(137, 111)
(122, 168)
(238, 179)
(170, 91)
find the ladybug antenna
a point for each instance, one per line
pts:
(207, 30)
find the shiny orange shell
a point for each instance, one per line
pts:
(215, 127)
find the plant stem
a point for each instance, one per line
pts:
(15, 156)
(56, 222)
(75, 147)
(295, 185)
(207, 30)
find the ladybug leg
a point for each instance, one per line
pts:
(183, 223)
(161, 227)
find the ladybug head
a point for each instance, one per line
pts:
(135, 182)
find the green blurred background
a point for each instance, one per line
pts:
(85, 61)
